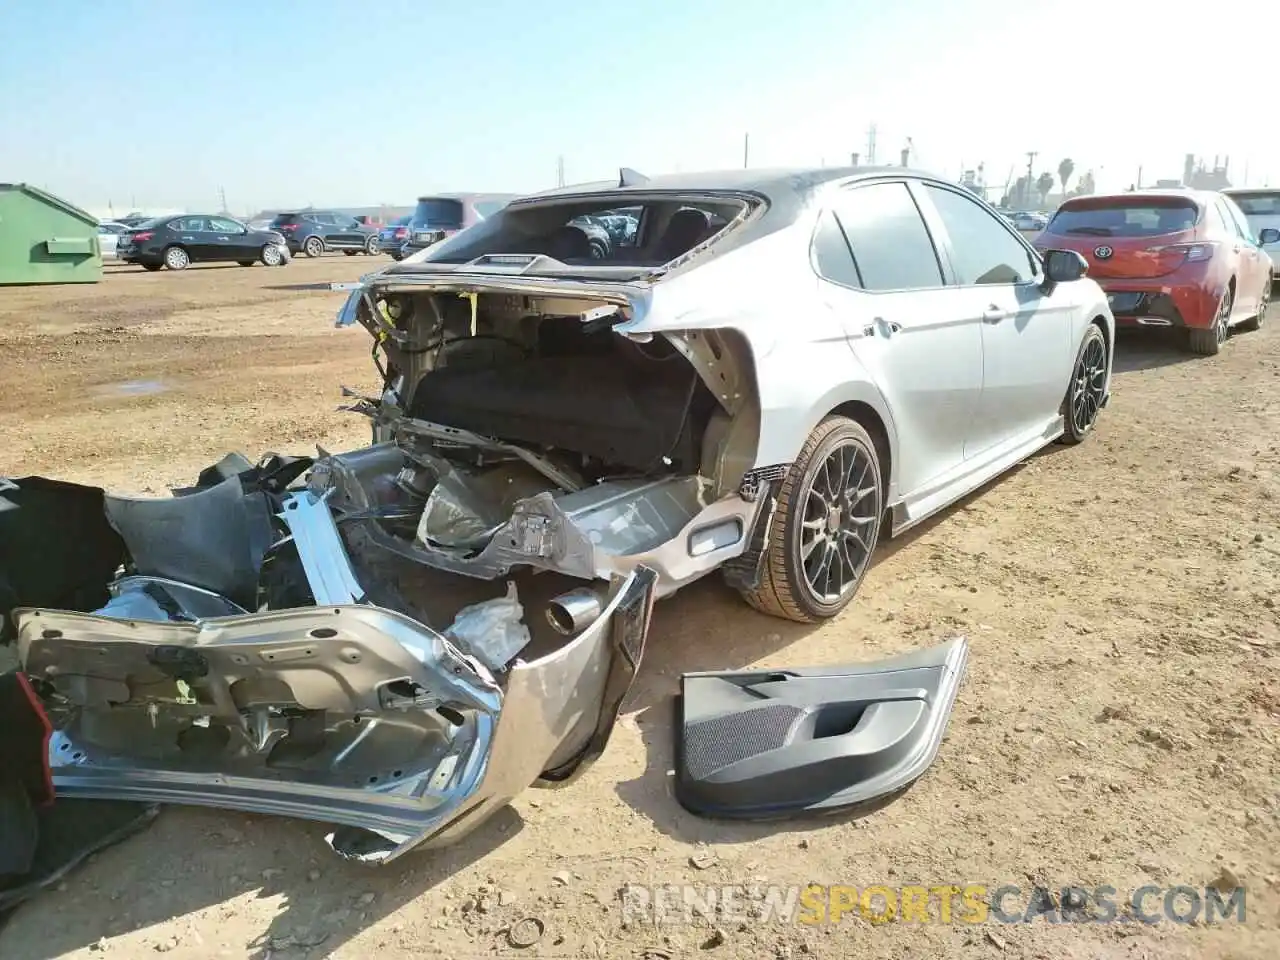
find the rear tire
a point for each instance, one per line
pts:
(1255, 322)
(1208, 342)
(314, 247)
(176, 258)
(826, 526)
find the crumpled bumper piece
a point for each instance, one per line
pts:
(390, 732)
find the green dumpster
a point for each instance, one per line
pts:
(44, 239)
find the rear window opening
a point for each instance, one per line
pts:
(283, 218)
(604, 231)
(1119, 217)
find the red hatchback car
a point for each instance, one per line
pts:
(1170, 258)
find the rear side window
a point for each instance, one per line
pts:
(1238, 218)
(982, 249)
(1126, 218)
(890, 243)
(831, 256)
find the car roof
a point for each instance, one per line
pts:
(1232, 191)
(775, 183)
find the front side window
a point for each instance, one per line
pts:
(982, 249)
(222, 225)
(889, 240)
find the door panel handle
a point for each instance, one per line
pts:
(993, 314)
(887, 327)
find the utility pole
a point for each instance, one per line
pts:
(1139, 176)
(560, 171)
(871, 145)
(1244, 181)
(746, 149)
(222, 194)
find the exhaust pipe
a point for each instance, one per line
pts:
(574, 611)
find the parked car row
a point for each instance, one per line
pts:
(1190, 260)
(176, 242)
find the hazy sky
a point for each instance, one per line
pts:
(337, 102)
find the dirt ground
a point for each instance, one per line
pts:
(1119, 723)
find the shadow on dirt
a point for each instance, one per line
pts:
(320, 901)
(298, 287)
(1149, 350)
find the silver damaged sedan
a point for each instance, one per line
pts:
(770, 373)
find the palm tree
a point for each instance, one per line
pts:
(1044, 183)
(1065, 169)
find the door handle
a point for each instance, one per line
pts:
(887, 327)
(993, 314)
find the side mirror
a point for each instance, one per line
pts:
(1063, 266)
(1268, 235)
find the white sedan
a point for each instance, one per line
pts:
(109, 236)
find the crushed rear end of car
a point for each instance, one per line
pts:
(244, 645)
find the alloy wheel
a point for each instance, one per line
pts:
(1221, 325)
(1088, 386)
(842, 508)
(271, 255)
(372, 247)
(315, 247)
(176, 258)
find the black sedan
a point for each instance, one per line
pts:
(179, 241)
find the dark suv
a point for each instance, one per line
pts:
(314, 231)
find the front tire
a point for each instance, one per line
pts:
(271, 255)
(1087, 388)
(1208, 342)
(372, 246)
(825, 527)
(175, 258)
(314, 247)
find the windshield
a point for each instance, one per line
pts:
(438, 212)
(1257, 204)
(1126, 218)
(599, 232)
